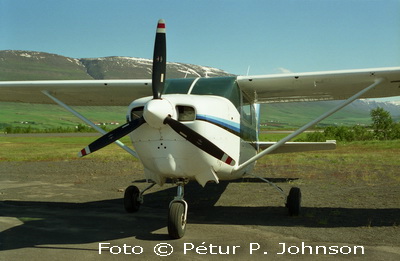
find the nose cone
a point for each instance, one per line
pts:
(156, 111)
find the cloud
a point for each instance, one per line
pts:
(283, 70)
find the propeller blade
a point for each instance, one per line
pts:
(199, 141)
(111, 136)
(159, 60)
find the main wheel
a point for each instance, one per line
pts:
(294, 201)
(176, 220)
(131, 199)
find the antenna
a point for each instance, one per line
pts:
(248, 70)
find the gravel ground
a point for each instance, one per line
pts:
(65, 209)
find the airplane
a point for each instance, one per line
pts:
(203, 129)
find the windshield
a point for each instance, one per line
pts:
(219, 86)
(177, 86)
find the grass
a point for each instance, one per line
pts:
(277, 136)
(295, 114)
(55, 149)
(45, 116)
(368, 161)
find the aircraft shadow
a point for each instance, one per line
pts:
(53, 223)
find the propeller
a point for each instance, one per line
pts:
(158, 78)
(112, 136)
(158, 112)
(159, 60)
(199, 141)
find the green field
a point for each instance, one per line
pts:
(44, 116)
(53, 148)
(277, 116)
(369, 160)
(31, 148)
(296, 114)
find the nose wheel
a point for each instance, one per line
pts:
(177, 214)
(178, 207)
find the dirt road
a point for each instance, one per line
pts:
(72, 210)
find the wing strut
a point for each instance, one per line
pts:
(87, 121)
(308, 125)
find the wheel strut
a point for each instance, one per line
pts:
(293, 200)
(177, 215)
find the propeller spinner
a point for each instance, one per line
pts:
(159, 112)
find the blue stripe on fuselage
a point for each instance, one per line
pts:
(230, 126)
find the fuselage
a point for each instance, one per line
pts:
(213, 107)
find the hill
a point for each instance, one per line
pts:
(29, 65)
(116, 67)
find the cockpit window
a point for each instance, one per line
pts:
(178, 86)
(219, 86)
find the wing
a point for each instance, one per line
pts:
(331, 85)
(299, 146)
(76, 92)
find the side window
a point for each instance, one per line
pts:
(247, 110)
(248, 121)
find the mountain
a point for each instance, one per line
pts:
(116, 67)
(29, 65)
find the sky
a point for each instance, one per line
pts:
(262, 36)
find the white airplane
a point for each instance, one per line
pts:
(203, 129)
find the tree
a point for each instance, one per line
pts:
(382, 123)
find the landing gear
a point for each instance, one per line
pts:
(293, 202)
(177, 214)
(133, 198)
(176, 220)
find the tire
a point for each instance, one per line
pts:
(294, 201)
(131, 199)
(176, 220)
